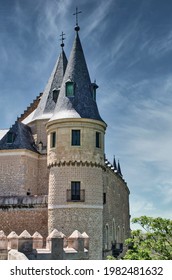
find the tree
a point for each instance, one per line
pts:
(154, 243)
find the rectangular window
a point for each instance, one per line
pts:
(75, 138)
(75, 190)
(69, 89)
(53, 140)
(98, 140)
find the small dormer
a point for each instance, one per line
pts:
(94, 88)
(70, 88)
(55, 94)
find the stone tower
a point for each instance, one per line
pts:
(76, 155)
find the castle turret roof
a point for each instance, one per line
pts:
(47, 103)
(81, 104)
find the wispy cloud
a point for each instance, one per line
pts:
(98, 19)
(161, 46)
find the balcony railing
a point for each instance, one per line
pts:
(78, 197)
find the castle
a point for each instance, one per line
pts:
(53, 169)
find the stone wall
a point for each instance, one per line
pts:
(86, 152)
(85, 215)
(27, 215)
(23, 172)
(18, 172)
(116, 216)
(38, 128)
(43, 175)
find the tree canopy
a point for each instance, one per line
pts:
(154, 242)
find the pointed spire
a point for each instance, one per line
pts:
(48, 100)
(114, 164)
(119, 169)
(81, 104)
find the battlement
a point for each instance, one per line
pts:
(57, 247)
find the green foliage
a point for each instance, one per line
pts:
(154, 243)
(110, 258)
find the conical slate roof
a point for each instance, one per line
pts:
(81, 105)
(19, 136)
(47, 104)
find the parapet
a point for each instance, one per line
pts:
(58, 246)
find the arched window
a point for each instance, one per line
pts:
(106, 236)
(123, 233)
(113, 231)
(118, 237)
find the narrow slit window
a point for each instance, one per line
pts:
(53, 140)
(98, 139)
(104, 198)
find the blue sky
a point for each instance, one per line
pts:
(128, 49)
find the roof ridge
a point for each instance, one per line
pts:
(33, 105)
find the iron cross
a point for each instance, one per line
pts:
(76, 14)
(62, 44)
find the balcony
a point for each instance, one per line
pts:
(117, 249)
(75, 197)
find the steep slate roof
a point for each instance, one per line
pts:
(30, 109)
(82, 104)
(46, 105)
(22, 136)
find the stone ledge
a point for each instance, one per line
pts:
(30, 201)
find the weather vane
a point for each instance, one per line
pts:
(62, 39)
(77, 28)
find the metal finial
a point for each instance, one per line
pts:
(77, 28)
(62, 39)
